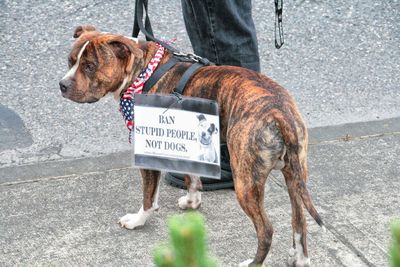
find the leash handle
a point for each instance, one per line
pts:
(278, 23)
(140, 6)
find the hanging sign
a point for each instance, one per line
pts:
(177, 134)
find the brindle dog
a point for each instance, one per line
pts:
(260, 122)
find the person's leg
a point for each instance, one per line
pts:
(222, 31)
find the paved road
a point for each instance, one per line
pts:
(340, 61)
(64, 167)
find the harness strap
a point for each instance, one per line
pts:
(186, 76)
(159, 73)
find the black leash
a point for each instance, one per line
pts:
(141, 6)
(197, 61)
(278, 23)
(146, 29)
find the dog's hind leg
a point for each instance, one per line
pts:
(192, 200)
(298, 254)
(151, 184)
(254, 152)
(250, 194)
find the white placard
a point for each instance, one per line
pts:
(166, 138)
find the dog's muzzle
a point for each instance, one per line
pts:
(65, 85)
(205, 140)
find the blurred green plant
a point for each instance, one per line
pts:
(187, 245)
(395, 250)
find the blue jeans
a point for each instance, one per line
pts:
(222, 31)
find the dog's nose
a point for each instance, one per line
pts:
(64, 85)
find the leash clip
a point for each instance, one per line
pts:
(177, 95)
(193, 57)
(179, 54)
(190, 56)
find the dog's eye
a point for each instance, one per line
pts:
(70, 62)
(89, 67)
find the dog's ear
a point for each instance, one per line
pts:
(200, 117)
(127, 51)
(81, 29)
(213, 128)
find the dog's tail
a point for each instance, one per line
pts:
(298, 167)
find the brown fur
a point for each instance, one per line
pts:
(260, 123)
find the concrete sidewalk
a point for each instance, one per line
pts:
(69, 218)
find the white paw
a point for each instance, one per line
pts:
(190, 201)
(297, 259)
(132, 220)
(246, 263)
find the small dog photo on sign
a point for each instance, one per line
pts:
(206, 131)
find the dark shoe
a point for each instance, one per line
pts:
(209, 184)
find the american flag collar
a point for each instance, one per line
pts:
(127, 100)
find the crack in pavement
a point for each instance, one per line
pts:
(348, 137)
(348, 244)
(331, 229)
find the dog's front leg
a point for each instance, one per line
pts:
(151, 183)
(192, 200)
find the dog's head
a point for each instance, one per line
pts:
(206, 130)
(99, 63)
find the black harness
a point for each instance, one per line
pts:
(196, 61)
